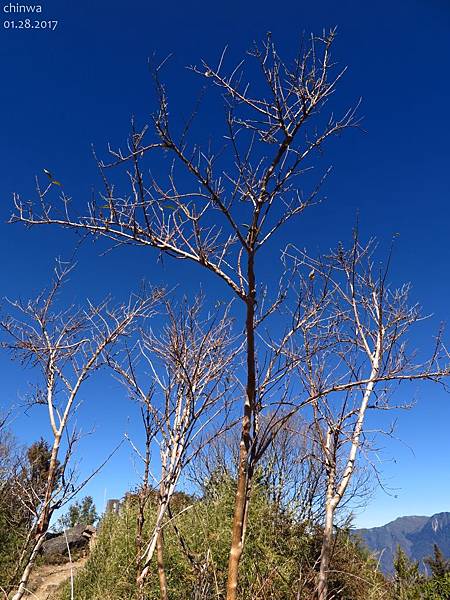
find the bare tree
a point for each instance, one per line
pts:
(291, 472)
(183, 377)
(220, 207)
(351, 360)
(289, 468)
(65, 346)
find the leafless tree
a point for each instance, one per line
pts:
(65, 346)
(289, 468)
(291, 472)
(219, 207)
(352, 359)
(183, 377)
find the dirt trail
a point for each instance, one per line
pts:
(48, 578)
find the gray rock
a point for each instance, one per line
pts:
(78, 538)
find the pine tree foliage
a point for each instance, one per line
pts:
(81, 512)
(438, 564)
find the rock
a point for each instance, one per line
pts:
(78, 538)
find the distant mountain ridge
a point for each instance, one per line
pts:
(415, 534)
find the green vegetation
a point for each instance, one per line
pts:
(280, 561)
(22, 479)
(11, 540)
(410, 584)
(81, 512)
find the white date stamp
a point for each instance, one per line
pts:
(26, 16)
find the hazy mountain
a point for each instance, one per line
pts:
(416, 535)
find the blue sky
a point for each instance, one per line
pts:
(66, 89)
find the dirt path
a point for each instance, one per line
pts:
(48, 578)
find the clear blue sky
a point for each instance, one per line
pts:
(65, 89)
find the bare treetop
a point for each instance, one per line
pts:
(270, 135)
(68, 344)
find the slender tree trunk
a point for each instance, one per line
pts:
(139, 543)
(143, 499)
(334, 496)
(46, 514)
(327, 537)
(242, 491)
(43, 521)
(161, 570)
(325, 556)
(239, 516)
(139, 531)
(250, 473)
(153, 544)
(22, 588)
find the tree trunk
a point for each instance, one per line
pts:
(139, 543)
(161, 570)
(239, 515)
(153, 544)
(242, 491)
(22, 588)
(325, 555)
(43, 521)
(46, 515)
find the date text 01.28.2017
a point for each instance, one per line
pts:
(30, 24)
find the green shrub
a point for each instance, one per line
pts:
(437, 588)
(279, 561)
